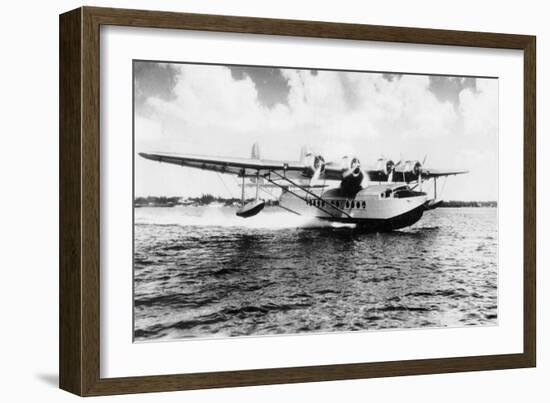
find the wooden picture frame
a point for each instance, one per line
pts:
(79, 281)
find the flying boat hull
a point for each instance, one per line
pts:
(371, 208)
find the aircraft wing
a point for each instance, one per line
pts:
(400, 175)
(229, 165)
(436, 173)
(251, 167)
(376, 175)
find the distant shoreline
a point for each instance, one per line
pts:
(206, 200)
(459, 203)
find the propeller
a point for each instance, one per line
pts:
(412, 168)
(319, 167)
(352, 175)
(392, 170)
(315, 177)
(354, 167)
(418, 169)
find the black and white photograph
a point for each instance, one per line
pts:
(273, 200)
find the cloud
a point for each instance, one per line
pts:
(479, 109)
(448, 88)
(272, 87)
(153, 79)
(214, 110)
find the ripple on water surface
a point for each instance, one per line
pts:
(202, 272)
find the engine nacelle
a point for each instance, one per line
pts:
(352, 175)
(314, 164)
(417, 168)
(413, 167)
(410, 171)
(351, 166)
(384, 166)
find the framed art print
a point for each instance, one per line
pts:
(251, 201)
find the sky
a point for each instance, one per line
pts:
(223, 110)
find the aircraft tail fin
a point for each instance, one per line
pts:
(255, 154)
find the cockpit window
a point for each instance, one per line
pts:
(403, 193)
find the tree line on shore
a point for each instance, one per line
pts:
(206, 199)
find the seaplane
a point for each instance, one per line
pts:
(392, 199)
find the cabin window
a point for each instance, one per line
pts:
(364, 204)
(347, 204)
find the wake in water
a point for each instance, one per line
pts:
(218, 216)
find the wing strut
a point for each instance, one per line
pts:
(242, 191)
(257, 183)
(254, 207)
